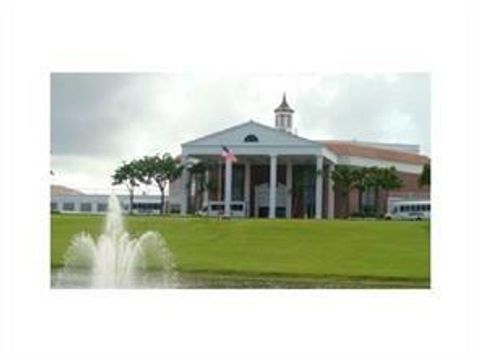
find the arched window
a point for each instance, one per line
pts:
(250, 138)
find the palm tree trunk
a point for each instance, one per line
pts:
(360, 192)
(131, 201)
(347, 204)
(162, 201)
(377, 201)
(385, 209)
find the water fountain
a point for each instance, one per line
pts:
(115, 260)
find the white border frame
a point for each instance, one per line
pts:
(40, 37)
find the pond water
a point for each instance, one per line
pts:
(152, 280)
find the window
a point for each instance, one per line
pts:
(101, 207)
(86, 207)
(53, 206)
(238, 182)
(236, 207)
(68, 206)
(141, 206)
(250, 138)
(368, 201)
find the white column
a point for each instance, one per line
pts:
(289, 189)
(206, 192)
(246, 188)
(184, 191)
(220, 172)
(273, 187)
(319, 188)
(331, 192)
(228, 186)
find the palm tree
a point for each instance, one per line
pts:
(344, 180)
(424, 179)
(375, 181)
(130, 175)
(389, 180)
(362, 182)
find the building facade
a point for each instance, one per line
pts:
(280, 174)
(98, 204)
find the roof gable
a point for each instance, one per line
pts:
(242, 133)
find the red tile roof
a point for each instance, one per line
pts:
(349, 148)
(57, 190)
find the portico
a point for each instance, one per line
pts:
(277, 174)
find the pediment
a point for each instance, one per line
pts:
(251, 134)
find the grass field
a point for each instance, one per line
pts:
(389, 251)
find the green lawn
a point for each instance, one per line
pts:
(380, 250)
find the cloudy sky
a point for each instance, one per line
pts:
(99, 120)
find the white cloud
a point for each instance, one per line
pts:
(98, 120)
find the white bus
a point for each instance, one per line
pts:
(217, 208)
(409, 210)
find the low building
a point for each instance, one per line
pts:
(98, 204)
(280, 174)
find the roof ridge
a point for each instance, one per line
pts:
(353, 143)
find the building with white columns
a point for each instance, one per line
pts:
(280, 174)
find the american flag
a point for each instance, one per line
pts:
(227, 154)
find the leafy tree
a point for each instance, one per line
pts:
(128, 174)
(344, 178)
(424, 179)
(161, 170)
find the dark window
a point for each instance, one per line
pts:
(142, 206)
(217, 207)
(368, 198)
(238, 183)
(86, 207)
(53, 206)
(68, 206)
(236, 207)
(101, 207)
(250, 138)
(367, 206)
